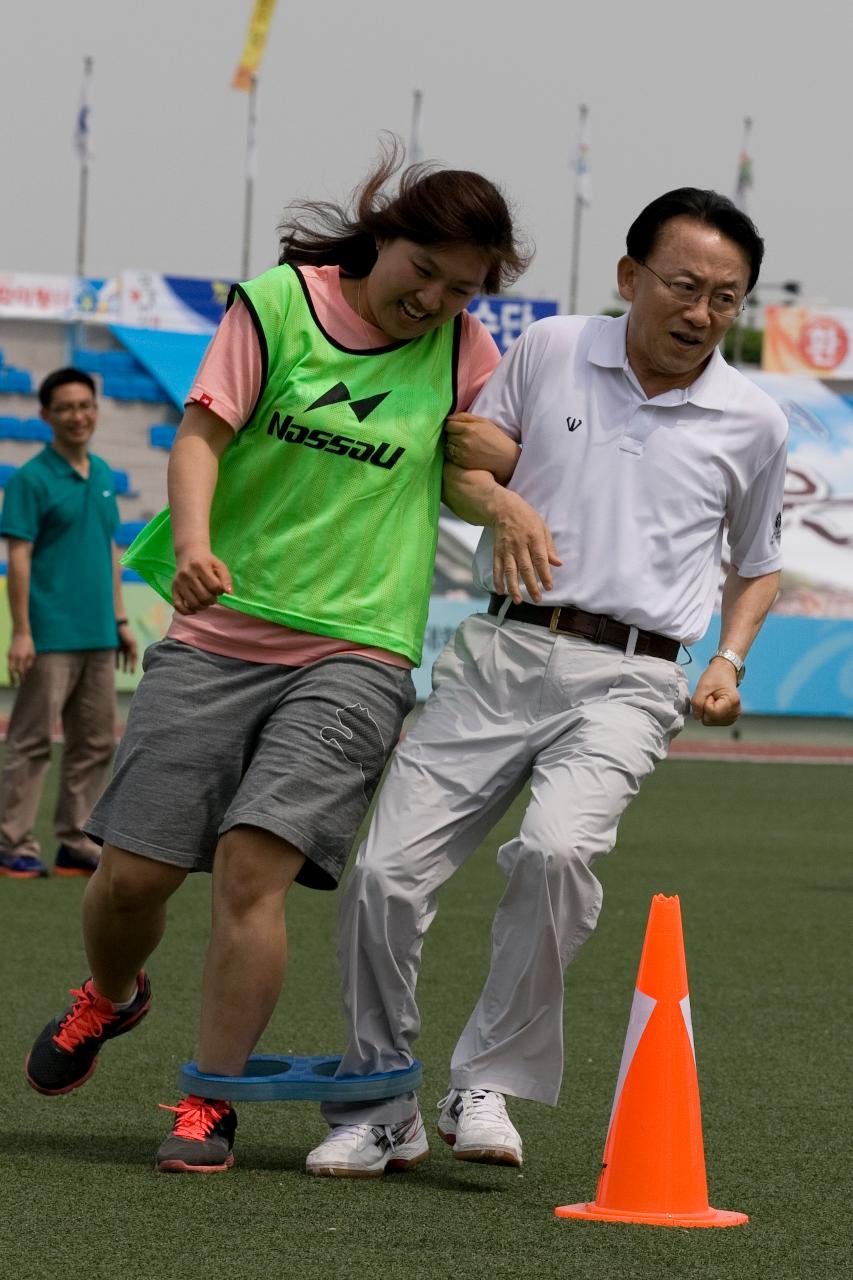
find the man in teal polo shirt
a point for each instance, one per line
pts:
(68, 630)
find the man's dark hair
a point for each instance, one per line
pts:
(708, 207)
(59, 378)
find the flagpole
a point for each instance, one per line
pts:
(246, 79)
(744, 168)
(415, 132)
(251, 157)
(742, 186)
(576, 246)
(578, 212)
(82, 207)
(83, 145)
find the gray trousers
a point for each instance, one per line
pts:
(511, 703)
(78, 689)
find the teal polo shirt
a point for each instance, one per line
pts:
(71, 522)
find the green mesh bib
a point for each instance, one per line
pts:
(326, 507)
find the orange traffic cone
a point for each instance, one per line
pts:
(653, 1168)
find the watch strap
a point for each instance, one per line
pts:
(736, 660)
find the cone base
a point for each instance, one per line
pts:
(704, 1218)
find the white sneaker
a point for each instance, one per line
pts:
(367, 1151)
(475, 1124)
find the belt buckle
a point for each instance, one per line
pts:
(555, 619)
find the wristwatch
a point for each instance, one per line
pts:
(736, 660)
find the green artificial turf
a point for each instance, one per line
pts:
(759, 856)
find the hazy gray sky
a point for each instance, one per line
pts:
(667, 85)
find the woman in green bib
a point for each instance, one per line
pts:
(297, 549)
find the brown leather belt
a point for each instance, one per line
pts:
(597, 627)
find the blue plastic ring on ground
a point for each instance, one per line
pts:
(274, 1077)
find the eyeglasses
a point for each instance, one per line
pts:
(722, 304)
(68, 410)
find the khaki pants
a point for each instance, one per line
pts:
(583, 724)
(78, 688)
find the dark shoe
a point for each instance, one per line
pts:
(23, 866)
(201, 1138)
(66, 1052)
(69, 863)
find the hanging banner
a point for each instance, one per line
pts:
(506, 318)
(28, 296)
(179, 304)
(817, 519)
(256, 42)
(191, 304)
(803, 340)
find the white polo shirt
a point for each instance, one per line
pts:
(636, 492)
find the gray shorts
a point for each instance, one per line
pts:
(213, 742)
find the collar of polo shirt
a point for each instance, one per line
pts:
(709, 391)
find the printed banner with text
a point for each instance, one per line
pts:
(189, 304)
(802, 340)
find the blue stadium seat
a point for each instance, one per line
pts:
(6, 473)
(28, 429)
(88, 361)
(35, 429)
(15, 380)
(121, 480)
(115, 386)
(103, 362)
(133, 386)
(160, 436)
(148, 389)
(127, 531)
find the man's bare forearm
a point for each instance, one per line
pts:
(523, 550)
(18, 585)
(473, 496)
(746, 603)
(118, 599)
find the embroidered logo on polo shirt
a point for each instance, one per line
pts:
(574, 423)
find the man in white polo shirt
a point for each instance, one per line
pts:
(639, 447)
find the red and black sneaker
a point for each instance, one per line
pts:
(66, 1053)
(201, 1138)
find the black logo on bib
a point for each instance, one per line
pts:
(339, 394)
(284, 428)
(378, 455)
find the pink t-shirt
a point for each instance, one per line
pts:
(228, 383)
